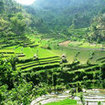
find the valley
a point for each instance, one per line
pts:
(52, 53)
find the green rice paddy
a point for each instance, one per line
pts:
(64, 102)
(83, 56)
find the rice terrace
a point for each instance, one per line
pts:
(52, 52)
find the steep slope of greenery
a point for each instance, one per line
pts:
(29, 68)
(58, 15)
(97, 29)
(13, 24)
(18, 86)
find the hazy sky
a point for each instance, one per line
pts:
(25, 2)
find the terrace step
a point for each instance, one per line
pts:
(36, 68)
(30, 60)
(87, 81)
(37, 62)
(6, 52)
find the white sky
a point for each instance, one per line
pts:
(25, 2)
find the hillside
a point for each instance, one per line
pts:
(59, 15)
(51, 47)
(13, 24)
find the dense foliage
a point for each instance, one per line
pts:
(19, 86)
(13, 23)
(22, 80)
(97, 29)
(72, 19)
(60, 17)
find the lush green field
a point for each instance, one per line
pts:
(42, 51)
(83, 56)
(33, 60)
(82, 44)
(42, 72)
(30, 52)
(78, 33)
(64, 102)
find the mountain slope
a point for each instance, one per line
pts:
(13, 24)
(60, 14)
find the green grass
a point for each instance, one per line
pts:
(70, 52)
(29, 52)
(41, 67)
(88, 45)
(87, 81)
(38, 62)
(83, 44)
(5, 50)
(64, 102)
(84, 55)
(77, 34)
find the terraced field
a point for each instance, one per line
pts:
(26, 52)
(84, 67)
(85, 75)
(39, 64)
(83, 56)
(12, 40)
(74, 75)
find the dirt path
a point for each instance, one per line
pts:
(65, 43)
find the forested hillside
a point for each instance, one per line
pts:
(72, 19)
(14, 22)
(51, 47)
(97, 29)
(60, 16)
